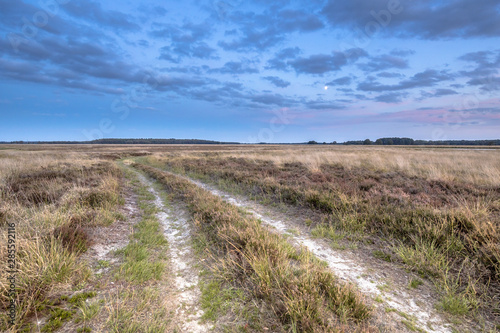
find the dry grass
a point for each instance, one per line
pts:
(445, 226)
(438, 207)
(302, 293)
(479, 167)
(53, 199)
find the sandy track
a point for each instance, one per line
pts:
(369, 279)
(183, 262)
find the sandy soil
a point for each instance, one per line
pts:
(183, 262)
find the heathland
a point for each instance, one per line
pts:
(263, 238)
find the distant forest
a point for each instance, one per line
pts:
(381, 141)
(130, 142)
(411, 142)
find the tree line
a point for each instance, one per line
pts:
(410, 142)
(128, 142)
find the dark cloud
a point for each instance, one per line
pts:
(259, 32)
(179, 83)
(235, 67)
(427, 78)
(298, 20)
(271, 99)
(176, 53)
(277, 81)
(437, 93)
(402, 53)
(22, 71)
(343, 81)
(443, 19)
(383, 62)
(279, 62)
(323, 105)
(485, 65)
(319, 63)
(390, 75)
(394, 97)
(93, 12)
(197, 70)
(25, 22)
(488, 84)
(492, 110)
(185, 41)
(444, 92)
(324, 63)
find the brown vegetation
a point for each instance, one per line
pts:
(54, 200)
(444, 229)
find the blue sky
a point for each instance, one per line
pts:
(249, 71)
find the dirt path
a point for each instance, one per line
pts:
(397, 307)
(183, 262)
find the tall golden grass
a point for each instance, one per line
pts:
(53, 198)
(480, 167)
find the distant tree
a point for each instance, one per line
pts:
(367, 142)
(334, 143)
(312, 142)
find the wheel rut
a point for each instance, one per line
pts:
(175, 222)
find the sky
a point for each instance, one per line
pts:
(250, 71)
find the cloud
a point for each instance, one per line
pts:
(444, 92)
(402, 52)
(185, 41)
(323, 105)
(279, 60)
(404, 18)
(343, 81)
(383, 62)
(258, 32)
(235, 67)
(488, 84)
(277, 81)
(176, 53)
(298, 20)
(324, 63)
(271, 99)
(485, 69)
(390, 75)
(17, 18)
(427, 78)
(93, 12)
(485, 63)
(437, 93)
(394, 97)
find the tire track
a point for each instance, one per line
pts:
(183, 262)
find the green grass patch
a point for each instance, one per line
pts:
(415, 283)
(56, 319)
(382, 255)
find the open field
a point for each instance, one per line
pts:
(251, 238)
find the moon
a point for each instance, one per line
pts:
(326, 87)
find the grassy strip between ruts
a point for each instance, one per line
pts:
(300, 290)
(141, 300)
